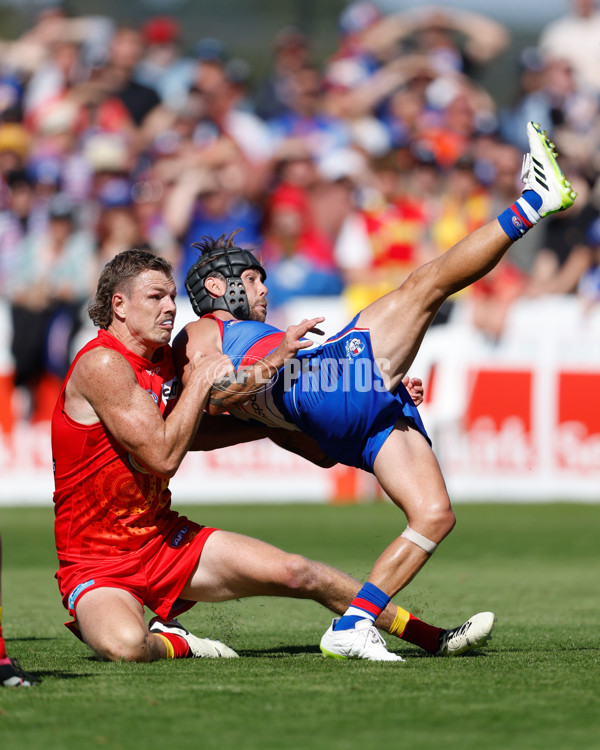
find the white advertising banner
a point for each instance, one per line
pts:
(517, 420)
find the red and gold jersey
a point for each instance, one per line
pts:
(105, 503)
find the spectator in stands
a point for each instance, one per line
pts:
(566, 254)
(211, 195)
(307, 118)
(125, 55)
(453, 41)
(464, 204)
(52, 80)
(118, 227)
(588, 286)
(385, 238)
(574, 37)
(297, 257)
(355, 61)
(50, 282)
(20, 217)
(15, 143)
(162, 65)
(274, 94)
(530, 103)
(221, 111)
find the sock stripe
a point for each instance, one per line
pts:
(369, 607)
(521, 215)
(369, 602)
(168, 644)
(530, 212)
(524, 218)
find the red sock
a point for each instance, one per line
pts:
(421, 634)
(181, 648)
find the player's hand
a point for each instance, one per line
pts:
(292, 341)
(414, 386)
(212, 367)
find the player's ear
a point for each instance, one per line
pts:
(215, 287)
(118, 305)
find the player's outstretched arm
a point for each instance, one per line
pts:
(236, 387)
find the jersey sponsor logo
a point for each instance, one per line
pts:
(179, 536)
(354, 347)
(73, 596)
(170, 390)
(256, 408)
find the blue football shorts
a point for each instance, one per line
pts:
(336, 393)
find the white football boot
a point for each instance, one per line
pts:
(475, 632)
(200, 648)
(360, 642)
(542, 174)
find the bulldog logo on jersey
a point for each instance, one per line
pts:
(354, 347)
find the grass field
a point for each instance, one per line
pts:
(537, 685)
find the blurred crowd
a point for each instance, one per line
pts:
(344, 174)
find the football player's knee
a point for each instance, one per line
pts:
(444, 521)
(129, 644)
(299, 573)
(436, 522)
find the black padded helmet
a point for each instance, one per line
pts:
(221, 256)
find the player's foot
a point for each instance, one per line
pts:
(360, 642)
(11, 674)
(475, 632)
(542, 174)
(200, 648)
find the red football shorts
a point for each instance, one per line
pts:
(154, 576)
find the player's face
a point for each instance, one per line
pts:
(256, 292)
(149, 309)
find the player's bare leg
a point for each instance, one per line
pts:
(420, 492)
(112, 624)
(399, 320)
(233, 566)
(405, 465)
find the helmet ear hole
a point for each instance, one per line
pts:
(229, 263)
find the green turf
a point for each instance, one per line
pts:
(536, 686)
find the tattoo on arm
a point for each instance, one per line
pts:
(238, 385)
(224, 384)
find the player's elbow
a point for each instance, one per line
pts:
(215, 410)
(169, 468)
